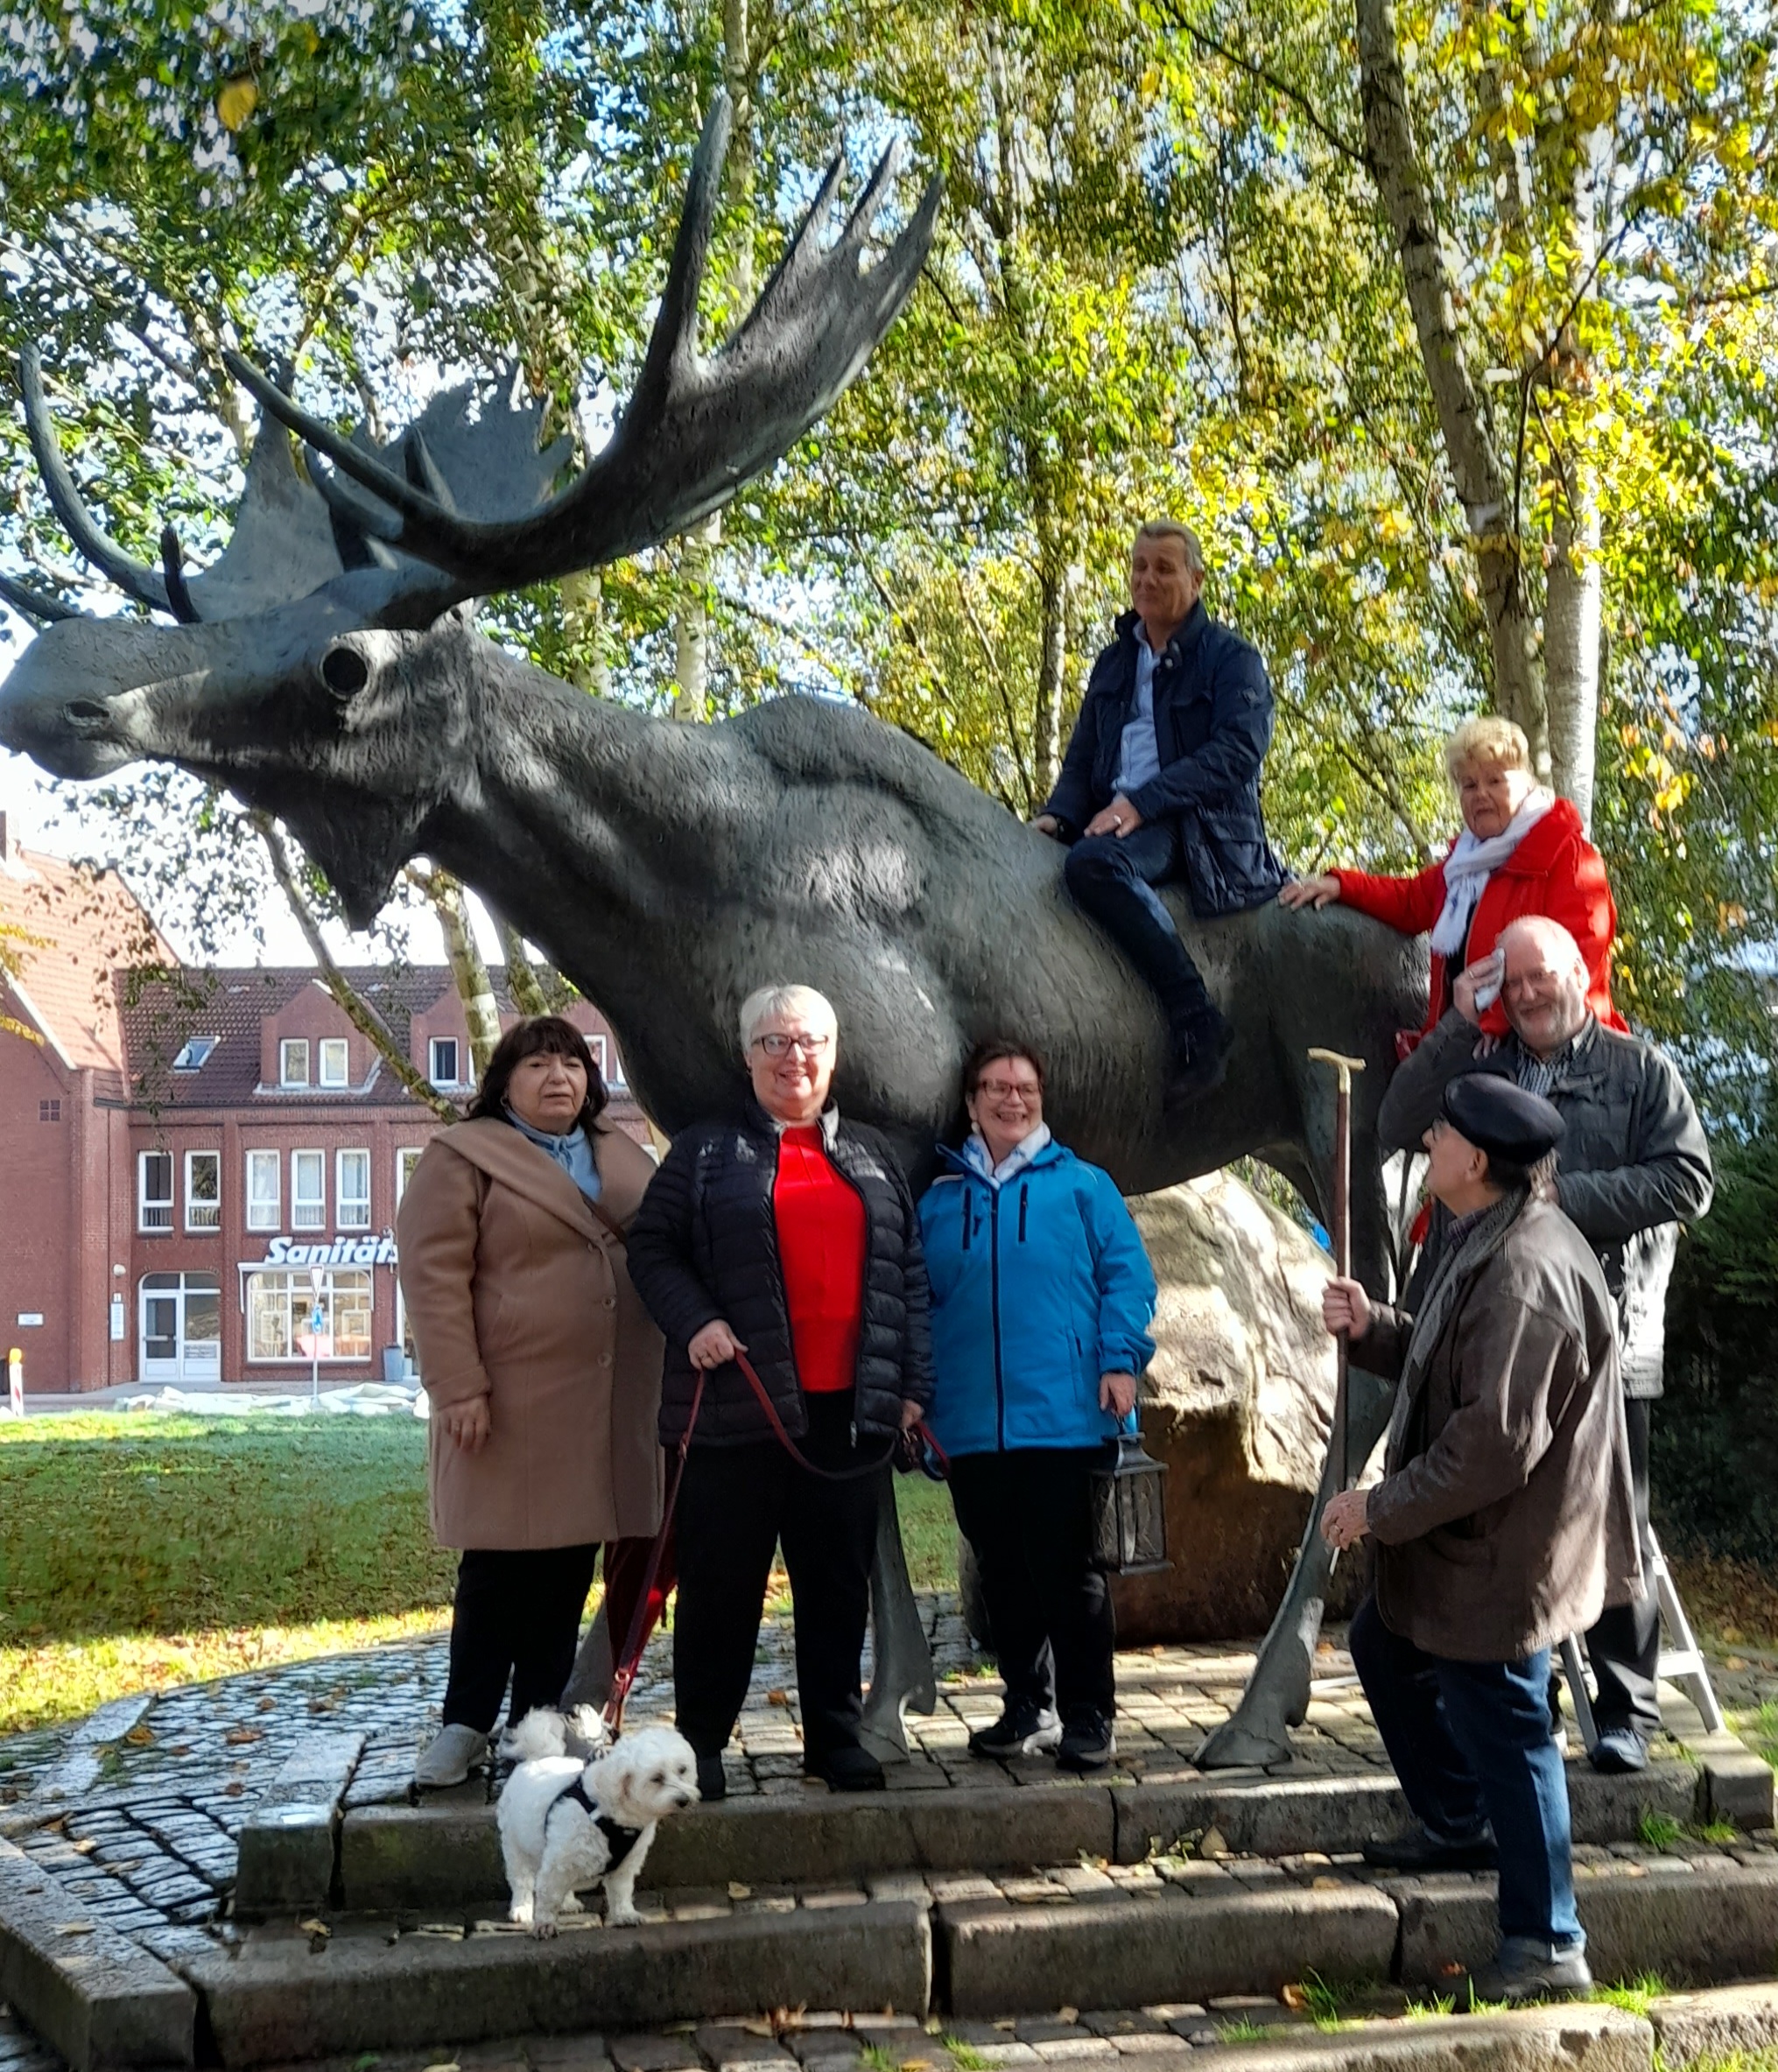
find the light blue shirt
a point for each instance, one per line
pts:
(1139, 758)
(573, 1153)
(975, 1151)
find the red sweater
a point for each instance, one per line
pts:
(821, 1245)
(1554, 871)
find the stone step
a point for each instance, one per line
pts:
(964, 1946)
(446, 1852)
(283, 1995)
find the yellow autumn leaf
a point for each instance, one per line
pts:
(236, 102)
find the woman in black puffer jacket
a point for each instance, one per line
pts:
(792, 1237)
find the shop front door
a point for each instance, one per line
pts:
(182, 1328)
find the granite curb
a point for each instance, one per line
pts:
(101, 2000)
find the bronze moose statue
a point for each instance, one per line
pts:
(326, 670)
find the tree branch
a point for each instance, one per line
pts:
(1304, 106)
(358, 1010)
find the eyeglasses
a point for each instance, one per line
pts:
(1027, 1090)
(778, 1045)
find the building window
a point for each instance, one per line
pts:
(49, 1111)
(406, 1160)
(308, 1189)
(203, 1190)
(279, 1317)
(154, 1191)
(442, 1066)
(263, 1206)
(332, 1062)
(352, 1191)
(194, 1055)
(293, 1062)
(596, 1045)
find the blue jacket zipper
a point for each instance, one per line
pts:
(994, 1283)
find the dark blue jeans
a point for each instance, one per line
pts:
(1470, 1744)
(1112, 878)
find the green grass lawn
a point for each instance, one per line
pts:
(139, 1552)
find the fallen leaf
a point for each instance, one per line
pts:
(1326, 1885)
(1213, 1845)
(738, 1891)
(777, 1697)
(75, 1927)
(314, 1928)
(140, 1737)
(86, 1847)
(234, 1790)
(1067, 2014)
(271, 1705)
(238, 1737)
(1294, 1997)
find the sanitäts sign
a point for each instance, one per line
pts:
(347, 1252)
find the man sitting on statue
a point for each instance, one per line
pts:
(1161, 783)
(1635, 1165)
(1504, 1521)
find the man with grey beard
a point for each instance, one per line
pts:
(1635, 1165)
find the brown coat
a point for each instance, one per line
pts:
(1504, 1519)
(517, 1291)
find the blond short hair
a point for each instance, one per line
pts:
(1486, 738)
(1169, 528)
(770, 1001)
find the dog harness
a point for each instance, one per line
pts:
(619, 1840)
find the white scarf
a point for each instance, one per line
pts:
(1472, 862)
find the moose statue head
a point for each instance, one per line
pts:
(326, 670)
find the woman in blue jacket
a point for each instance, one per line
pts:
(1042, 1298)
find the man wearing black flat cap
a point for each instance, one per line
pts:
(1635, 1165)
(1504, 1521)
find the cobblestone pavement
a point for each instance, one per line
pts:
(143, 1827)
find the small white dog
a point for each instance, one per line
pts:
(567, 1822)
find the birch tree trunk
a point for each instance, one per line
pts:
(1046, 747)
(1574, 602)
(469, 969)
(1483, 483)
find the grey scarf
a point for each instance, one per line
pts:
(1455, 1270)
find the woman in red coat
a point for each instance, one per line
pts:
(1522, 851)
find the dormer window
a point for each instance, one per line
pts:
(332, 1062)
(293, 1062)
(194, 1055)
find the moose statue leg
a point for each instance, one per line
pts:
(901, 1657)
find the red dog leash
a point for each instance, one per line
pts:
(625, 1675)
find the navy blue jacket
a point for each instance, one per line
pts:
(1212, 725)
(1039, 1287)
(704, 1244)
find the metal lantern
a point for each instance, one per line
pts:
(1129, 1511)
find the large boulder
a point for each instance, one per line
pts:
(1238, 1402)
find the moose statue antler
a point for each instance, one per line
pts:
(323, 673)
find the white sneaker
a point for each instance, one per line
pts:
(450, 1759)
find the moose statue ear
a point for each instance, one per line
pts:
(344, 672)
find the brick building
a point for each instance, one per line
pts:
(191, 1160)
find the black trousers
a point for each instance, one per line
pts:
(1112, 877)
(1624, 1646)
(517, 1615)
(1025, 1515)
(736, 1505)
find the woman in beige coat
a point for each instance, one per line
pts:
(543, 1368)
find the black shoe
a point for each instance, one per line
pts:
(1022, 1729)
(1200, 1065)
(1619, 1752)
(1087, 1744)
(1426, 1852)
(1518, 1978)
(712, 1784)
(845, 1769)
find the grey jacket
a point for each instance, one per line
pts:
(1504, 1519)
(1632, 1166)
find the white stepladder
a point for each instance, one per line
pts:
(1682, 1663)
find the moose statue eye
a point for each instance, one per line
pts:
(344, 671)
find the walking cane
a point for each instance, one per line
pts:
(1344, 1068)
